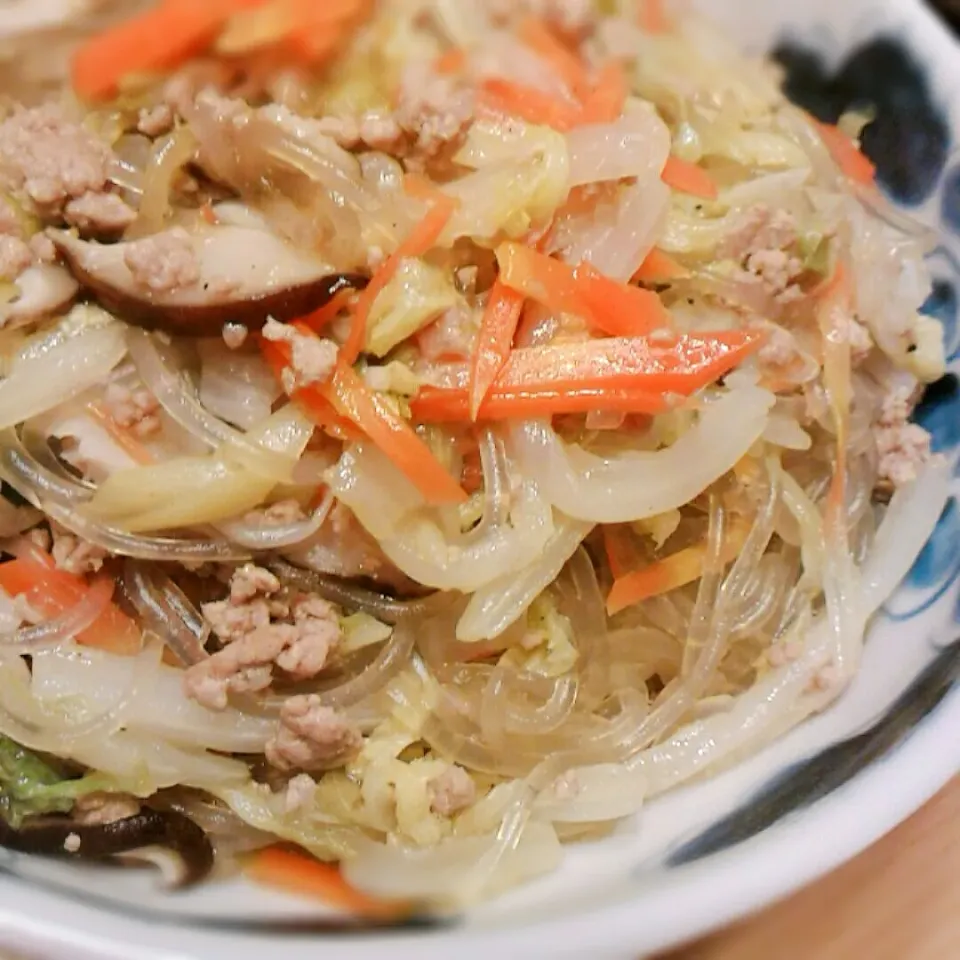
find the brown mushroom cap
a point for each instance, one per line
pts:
(246, 276)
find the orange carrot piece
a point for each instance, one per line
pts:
(325, 27)
(653, 16)
(497, 330)
(605, 102)
(671, 573)
(613, 308)
(620, 549)
(626, 375)
(325, 315)
(848, 155)
(536, 35)
(451, 63)
(156, 40)
(528, 103)
(394, 437)
(689, 178)
(435, 405)
(659, 267)
(296, 873)
(421, 240)
(621, 310)
(317, 407)
(52, 592)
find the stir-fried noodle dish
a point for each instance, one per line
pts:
(429, 430)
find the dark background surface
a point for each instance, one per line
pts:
(950, 10)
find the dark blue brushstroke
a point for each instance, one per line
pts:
(939, 414)
(910, 139)
(950, 201)
(815, 779)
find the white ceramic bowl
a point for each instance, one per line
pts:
(711, 852)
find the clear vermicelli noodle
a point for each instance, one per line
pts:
(431, 430)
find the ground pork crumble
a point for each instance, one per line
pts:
(263, 631)
(763, 244)
(58, 170)
(904, 447)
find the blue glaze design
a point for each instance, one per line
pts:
(938, 413)
(910, 138)
(811, 780)
(950, 201)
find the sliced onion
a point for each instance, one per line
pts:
(448, 872)
(909, 523)
(594, 794)
(498, 605)
(619, 248)
(58, 497)
(161, 709)
(170, 155)
(636, 145)
(638, 485)
(78, 355)
(180, 402)
(236, 386)
(496, 486)
(263, 536)
(414, 538)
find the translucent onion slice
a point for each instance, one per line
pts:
(59, 496)
(79, 354)
(636, 145)
(173, 392)
(638, 485)
(276, 536)
(501, 603)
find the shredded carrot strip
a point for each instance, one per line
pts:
(660, 267)
(565, 64)
(653, 17)
(497, 330)
(324, 27)
(156, 40)
(620, 549)
(611, 307)
(606, 100)
(620, 309)
(671, 573)
(345, 404)
(452, 62)
(296, 873)
(421, 240)
(325, 315)
(624, 375)
(848, 155)
(689, 178)
(394, 436)
(528, 103)
(136, 450)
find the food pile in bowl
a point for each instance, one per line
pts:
(431, 429)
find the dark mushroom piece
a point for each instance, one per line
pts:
(245, 276)
(165, 838)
